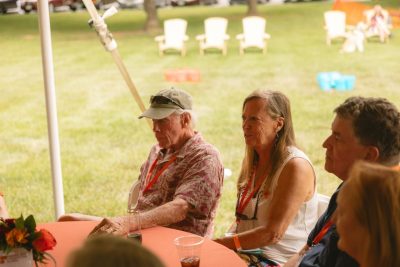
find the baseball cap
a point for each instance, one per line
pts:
(165, 102)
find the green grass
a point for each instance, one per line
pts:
(103, 143)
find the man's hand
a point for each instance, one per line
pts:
(171, 212)
(115, 226)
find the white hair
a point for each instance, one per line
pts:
(193, 116)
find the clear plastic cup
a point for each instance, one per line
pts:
(133, 225)
(189, 250)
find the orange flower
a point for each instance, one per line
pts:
(16, 236)
(22, 232)
(46, 241)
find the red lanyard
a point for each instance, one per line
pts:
(157, 175)
(323, 231)
(243, 202)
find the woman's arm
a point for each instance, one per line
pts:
(3, 207)
(295, 260)
(295, 186)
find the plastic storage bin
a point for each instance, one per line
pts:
(328, 81)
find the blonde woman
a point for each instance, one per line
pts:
(368, 215)
(277, 203)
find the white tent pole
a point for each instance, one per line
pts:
(51, 106)
(109, 43)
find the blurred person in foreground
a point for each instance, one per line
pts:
(181, 180)
(112, 251)
(277, 201)
(364, 128)
(368, 215)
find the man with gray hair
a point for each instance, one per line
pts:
(180, 183)
(364, 128)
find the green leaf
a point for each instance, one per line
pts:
(34, 236)
(30, 224)
(19, 222)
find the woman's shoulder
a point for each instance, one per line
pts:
(295, 152)
(297, 160)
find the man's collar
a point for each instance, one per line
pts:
(182, 151)
(164, 154)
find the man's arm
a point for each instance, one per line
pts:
(191, 188)
(168, 213)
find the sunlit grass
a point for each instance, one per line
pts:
(103, 143)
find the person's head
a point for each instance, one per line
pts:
(112, 251)
(378, 9)
(267, 125)
(364, 128)
(266, 119)
(172, 116)
(368, 215)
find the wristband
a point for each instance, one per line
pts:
(237, 243)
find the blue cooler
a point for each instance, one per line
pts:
(350, 80)
(340, 84)
(335, 79)
(324, 81)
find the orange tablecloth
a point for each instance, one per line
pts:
(70, 235)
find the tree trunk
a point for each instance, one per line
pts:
(152, 22)
(252, 8)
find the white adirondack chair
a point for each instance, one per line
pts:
(254, 35)
(382, 27)
(214, 36)
(335, 25)
(174, 36)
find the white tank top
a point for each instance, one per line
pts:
(296, 234)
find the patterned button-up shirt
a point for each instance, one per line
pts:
(196, 176)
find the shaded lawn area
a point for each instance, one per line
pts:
(103, 143)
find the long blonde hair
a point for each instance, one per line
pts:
(376, 205)
(277, 105)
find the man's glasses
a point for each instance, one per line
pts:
(244, 217)
(159, 99)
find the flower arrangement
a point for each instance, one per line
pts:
(22, 233)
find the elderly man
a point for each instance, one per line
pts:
(363, 129)
(181, 181)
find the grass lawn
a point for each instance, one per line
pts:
(103, 143)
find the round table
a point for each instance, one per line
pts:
(71, 235)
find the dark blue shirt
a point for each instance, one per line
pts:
(326, 253)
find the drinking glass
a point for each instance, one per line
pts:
(189, 248)
(133, 225)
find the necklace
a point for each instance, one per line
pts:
(243, 198)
